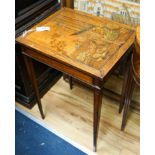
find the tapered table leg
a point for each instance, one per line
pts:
(125, 83)
(31, 72)
(97, 111)
(128, 97)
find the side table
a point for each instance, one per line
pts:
(83, 46)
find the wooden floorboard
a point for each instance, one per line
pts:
(70, 113)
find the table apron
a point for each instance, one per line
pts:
(59, 66)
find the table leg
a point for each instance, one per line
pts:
(31, 72)
(97, 111)
(125, 84)
(128, 98)
(71, 82)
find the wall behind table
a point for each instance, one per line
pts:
(124, 11)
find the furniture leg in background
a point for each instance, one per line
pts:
(71, 82)
(125, 84)
(127, 94)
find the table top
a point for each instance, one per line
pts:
(86, 42)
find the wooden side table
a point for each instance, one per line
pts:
(83, 46)
(132, 77)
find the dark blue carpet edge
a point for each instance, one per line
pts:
(33, 139)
